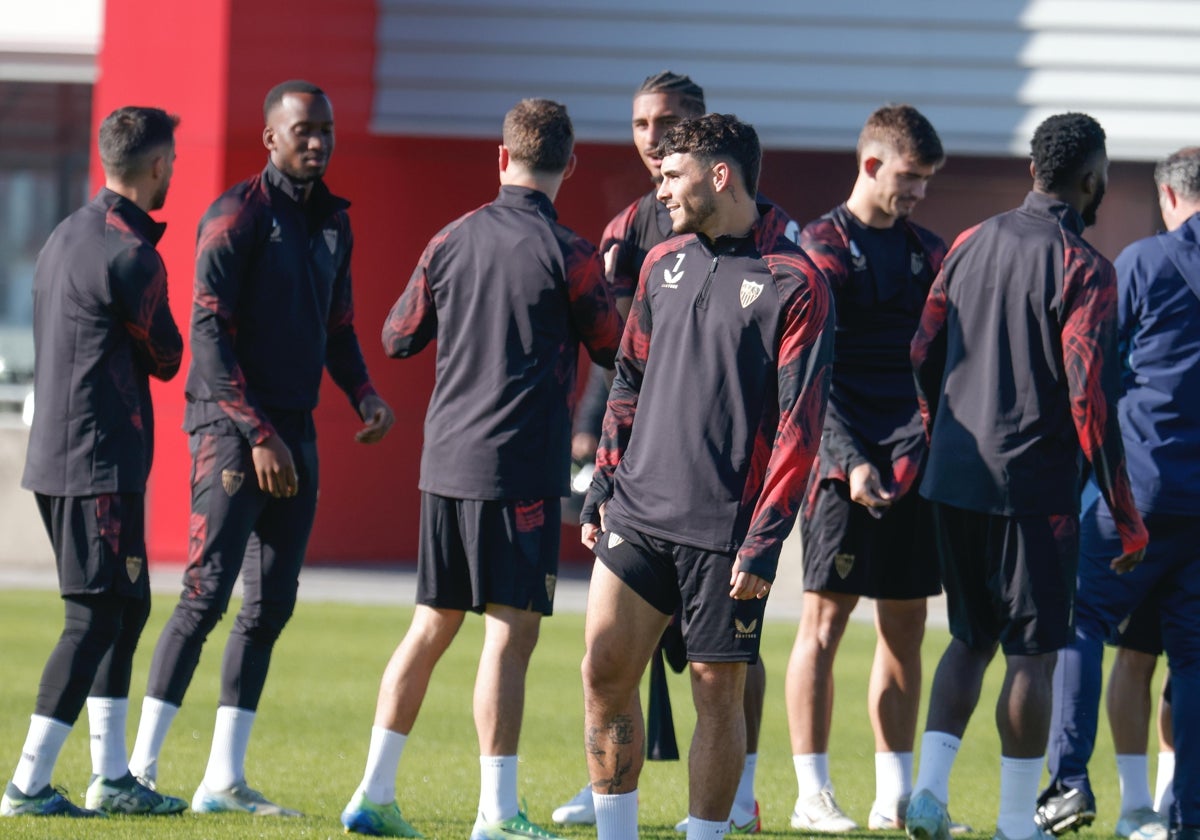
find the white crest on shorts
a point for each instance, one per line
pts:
(231, 480)
(745, 631)
(750, 292)
(551, 583)
(843, 563)
(133, 567)
(331, 240)
(917, 262)
(614, 539)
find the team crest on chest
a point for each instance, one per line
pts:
(750, 292)
(231, 481)
(331, 240)
(917, 262)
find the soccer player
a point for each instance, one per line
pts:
(101, 329)
(508, 293)
(864, 529)
(661, 101)
(272, 308)
(733, 318)
(1017, 373)
(1158, 281)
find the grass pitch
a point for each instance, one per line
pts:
(310, 739)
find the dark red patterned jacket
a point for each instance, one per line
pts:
(1017, 370)
(715, 414)
(101, 328)
(509, 294)
(272, 307)
(873, 415)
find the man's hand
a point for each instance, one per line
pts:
(378, 417)
(591, 532)
(610, 262)
(743, 586)
(1127, 562)
(583, 446)
(275, 469)
(589, 535)
(867, 490)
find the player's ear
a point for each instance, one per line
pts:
(269, 137)
(720, 175)
(871, 165)
(570, 169)
(504, 157)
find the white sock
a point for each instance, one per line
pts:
(1164, 782)
(231, 738)
(1133, 773)
(40, 753)
(893, 781)
(1019, 780)
(938, 751)
(616, 815)
(157, 717)
(743, 800)
(106, 725)
(497, 787)
(812, 773)
(699, 829)
(383, 760)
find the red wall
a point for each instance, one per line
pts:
(212, 63)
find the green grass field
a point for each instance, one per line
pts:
(310, 739)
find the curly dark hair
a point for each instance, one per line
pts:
(714, 137)
(690, 94)
(1062, 145)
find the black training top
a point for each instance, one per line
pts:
(509, 294)
(1017, 370)
(272, 306)
(715, 414)
(101, 328)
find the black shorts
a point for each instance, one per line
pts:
(473, 553)
(693, 583)
(1142, 631)
(99, 543)
(848, 550)
(1008, 579)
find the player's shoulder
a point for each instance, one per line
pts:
(240, 205)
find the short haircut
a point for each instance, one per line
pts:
(905, 129)
(690, 94)
(714, 137)
(275, 95)
(129, 137)
(539, 136)
(1181, 172)
(1062, 146)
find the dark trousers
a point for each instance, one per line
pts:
(236, 528)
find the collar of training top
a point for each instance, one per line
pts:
(134, 216)
(1049, 206)
(320, 201)
(514, 196)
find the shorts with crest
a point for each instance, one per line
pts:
(690, 582)
(99, 543)
(473, 552)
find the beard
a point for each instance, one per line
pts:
(160, 197)
(1089, 212)
(695, 215)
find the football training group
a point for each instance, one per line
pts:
(1013, 421)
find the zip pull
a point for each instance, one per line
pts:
(702, 298)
